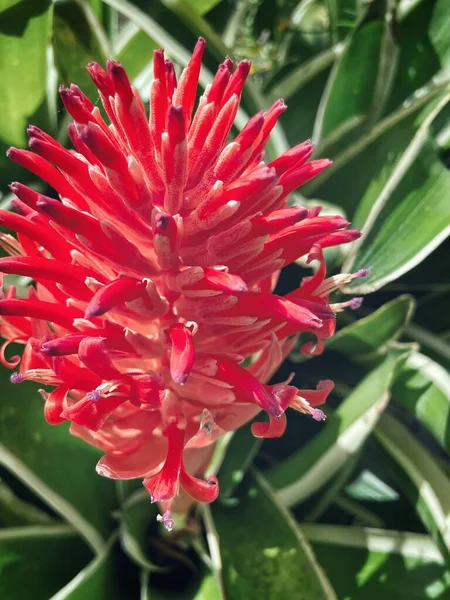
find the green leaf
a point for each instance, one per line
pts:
(76, 43)
(274, 560)
(331, 493)
(207, 590)
(424, 482)
(351, 86)
(372, 335)
(201, 7)
(307, 470)
(143, 20)
(24, 36)
(137, 514)
(369, 564)
(58, 467)
(423, 49)
(135, 50)
(409, 217)
(438, 31)
(238, 457)
(35, 562)
(423, 389)
(15, 512)
(97, 581)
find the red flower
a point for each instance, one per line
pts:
(154, 273)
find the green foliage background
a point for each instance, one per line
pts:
(357, 508)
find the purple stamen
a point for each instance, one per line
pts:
(166, 520)
(355, 303)
(17, 378)
(94, 395)
(318, 415)
(362, 273)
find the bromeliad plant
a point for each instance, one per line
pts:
(166, 286)
(155, 270)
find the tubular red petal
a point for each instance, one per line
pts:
(94, 354)
(24, 193)
(146, 390)
(186, 91)
(293, 158)
(49, 269)
(100, 79)
(74, 376)
(117, 292)
(121, 82)
(63, 346)
(220, 281)
(248, 387)
(171, 78)
(182, 353)
(164, 485)
(36, 309)
(237, 80)
(34, 231)
(294, 178)
(76, 103)
(92, 413)
(44, 170)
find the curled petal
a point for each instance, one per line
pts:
(14, 360)
(55, 402)
(273, 429)
(201, 490)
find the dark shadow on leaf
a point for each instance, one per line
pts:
(14, 20)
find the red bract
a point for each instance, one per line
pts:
(154, 273)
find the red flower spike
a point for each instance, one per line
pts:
(154, 259)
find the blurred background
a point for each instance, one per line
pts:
(357, 508)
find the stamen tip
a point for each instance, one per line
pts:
(356, 303)
(17, 378)
(166, 520)
(318, 415)
(363, 272)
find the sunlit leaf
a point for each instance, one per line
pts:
(423, 389)
(24, 36)
(275, 560)
(75, 44)
(369, 564)
(425, 483)
(371, 335)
